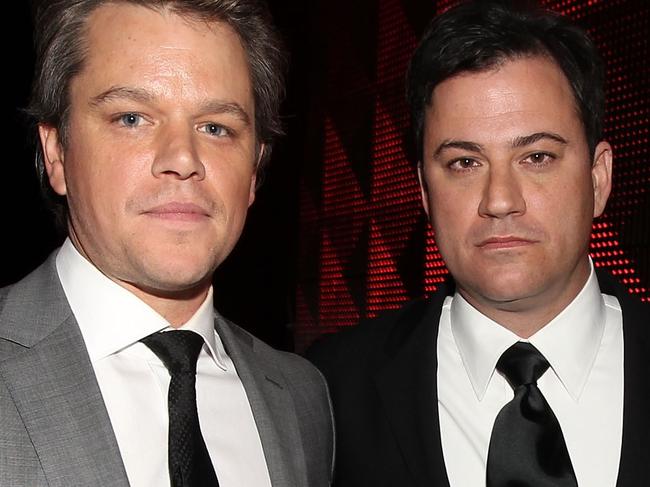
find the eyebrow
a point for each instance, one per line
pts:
(121, 92)
(458, 144)
(144, 96)
(518, 142)
(525, 140)
(230, 108)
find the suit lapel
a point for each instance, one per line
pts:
(63, 411)
(272, 406)
(635, 449)
(407, 385)
(52, 383)
(635, 452)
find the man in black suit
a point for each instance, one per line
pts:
(507, 107)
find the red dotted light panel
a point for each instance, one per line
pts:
(365, 244)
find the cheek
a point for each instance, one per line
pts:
(103, 162)
(565, 203)
(232, 185)
(239, 199)
(101, 189)
(452, 207)
(452, 221)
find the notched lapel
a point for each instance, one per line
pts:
(53, 386)
(272, 406)
(406, 382)
(55, 391)
(274, 382)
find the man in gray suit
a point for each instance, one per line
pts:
(154, 118)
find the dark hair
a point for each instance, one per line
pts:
(60, 45)
(480, 35)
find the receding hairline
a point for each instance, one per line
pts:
(497, 64)
(190, 16)
(172, 7)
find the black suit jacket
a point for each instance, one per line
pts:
(383, 382)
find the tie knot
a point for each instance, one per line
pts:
(178, 350)
(522, 364)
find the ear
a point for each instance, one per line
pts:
(424, 189)
(53, 157)
(251, 191)
(601, 176)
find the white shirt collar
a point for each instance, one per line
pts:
(570, 341)
(111, 318)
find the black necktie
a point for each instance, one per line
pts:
(189, 461)
(527, 448)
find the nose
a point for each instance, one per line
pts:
(177, 154)
(502, 194)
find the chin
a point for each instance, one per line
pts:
(503, 288)
(175, 286)
(177, 276)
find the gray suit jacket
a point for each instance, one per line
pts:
(54, 427)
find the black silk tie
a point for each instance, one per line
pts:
(527, 448)
(189, 461)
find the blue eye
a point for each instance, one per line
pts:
(215, 129)
(130, 119)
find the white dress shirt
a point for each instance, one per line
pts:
(584, 384)
(134, 382)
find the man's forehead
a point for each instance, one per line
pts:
(512, 92)
(528, 63)
(128, 45)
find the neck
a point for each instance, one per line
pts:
(526, 316)
(176, 307)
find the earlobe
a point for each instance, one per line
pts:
(601, 175)
(424, 190)
(53, 157)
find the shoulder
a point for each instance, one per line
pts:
(377, 336)
(42, 283)
(37, 280)
(636, 313)
(32, 305)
